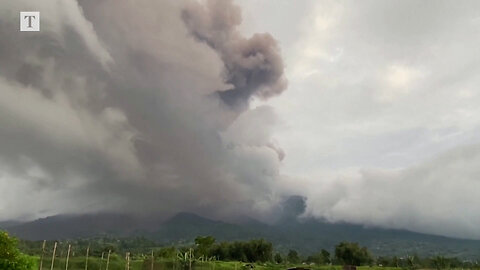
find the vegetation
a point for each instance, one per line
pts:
(321, 258)
(251, 251)
(307, 237)
(10, 257)
(205, 253)
(352, 254)
(293, 257)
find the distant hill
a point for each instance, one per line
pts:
(184, 227)
(80, 226)
(307, 236)
(9, 223)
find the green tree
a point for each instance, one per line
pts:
(203, 245)
(412, 262)
(167, 252)
(352, 254)
(221, 251)
(385, 261)
(257, 250)
(278, 258)
(440, 262)
(10, 256)
(323, 257)
(292, 256)
(395, 261)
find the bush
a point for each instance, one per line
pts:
(292, 256)
(10, 257)
(252, 251)
(352, 254)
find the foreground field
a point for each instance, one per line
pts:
(78, 263)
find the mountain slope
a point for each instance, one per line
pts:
(78, 226)
(184, 227)
(307, 236)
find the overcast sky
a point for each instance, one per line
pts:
(381, 117)
(368, 109)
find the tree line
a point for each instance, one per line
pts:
(345, 253)
(206, 248)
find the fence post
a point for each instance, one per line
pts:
(68, 256)
(151, 268)
(127, 259)
(53, 257)
(86, 260)
(101, 261)
(43, 253)
(108, 258)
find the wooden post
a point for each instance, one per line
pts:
(127, 258)
(101, 261)
(108, 258)
(86, 260)
(53, 257)
(43, 253)
(68, 256)
(175, 260)
(152, 261)
(190, 259)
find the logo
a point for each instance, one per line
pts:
(30, 21)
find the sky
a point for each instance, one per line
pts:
(370, 110)
(380, 123)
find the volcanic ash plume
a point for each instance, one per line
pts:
(253, 66)
(104, 110)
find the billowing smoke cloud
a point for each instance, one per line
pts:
(438, 196)
(293, 207)
(392, 137)
(113, 106)
(253, 66)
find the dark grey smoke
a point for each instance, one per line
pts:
(253, 66)
(110, 107)
(293, 207)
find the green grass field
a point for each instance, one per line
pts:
(116, 263)
(78, 263)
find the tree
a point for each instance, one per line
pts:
(221, 251)
(293, 257)
(167, 252)
(203, 245)
(412, 262)
(440, 262)
(323, 257)
(257, 250)
(395, 261)
(385, 261)
(10, 257)
(278, 258)
(352, 254)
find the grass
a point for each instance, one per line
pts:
(78, 263)
(117, 263)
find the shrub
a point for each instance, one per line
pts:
(10, 257)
